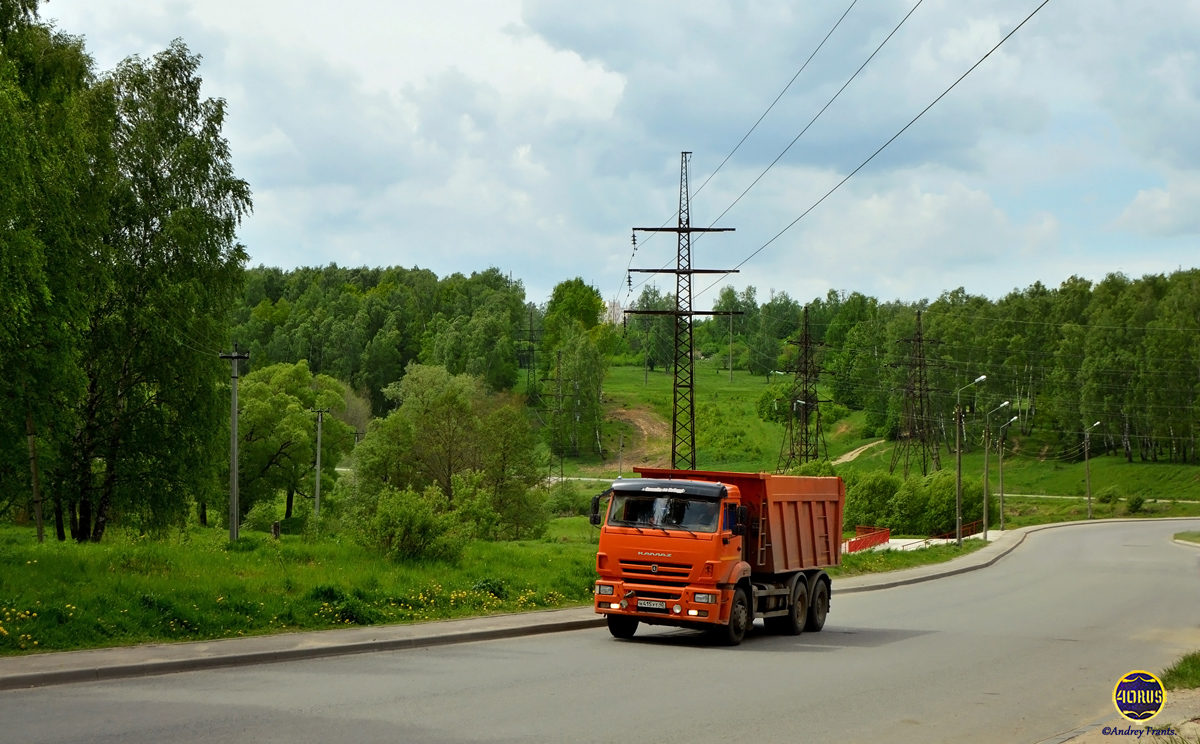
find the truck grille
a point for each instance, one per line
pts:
(656, 574)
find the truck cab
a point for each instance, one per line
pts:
(691, 550)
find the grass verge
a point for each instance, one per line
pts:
(196, 586)
(1023, 511)
(1193, 537)
(1183, 674)
(870, 561)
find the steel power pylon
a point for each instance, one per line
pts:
(917, 438)
(683, 411)
(803, 437)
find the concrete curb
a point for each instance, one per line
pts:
(252, 658)
(533, 625)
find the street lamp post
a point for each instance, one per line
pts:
(1087, 469)
(1000, 446)
(958, 435)
(987, 448)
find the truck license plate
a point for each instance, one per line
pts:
(652, 604)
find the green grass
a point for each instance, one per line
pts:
(1188, 536)
(869, 561)
(1022, 511)
(1183, 674)
(1026, 474)
(196, 586)
(747, 443)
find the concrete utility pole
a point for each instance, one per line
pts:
(234, 511)
(731, 348)
(958, 435)
(1087, 468)
(987, 448)
(1000, 447)
(317, 489)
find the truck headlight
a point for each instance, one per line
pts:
(705, 598)
(604, 589)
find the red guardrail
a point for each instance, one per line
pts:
(866, 540)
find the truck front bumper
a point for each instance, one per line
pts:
(653, 605)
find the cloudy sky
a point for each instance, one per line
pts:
(532, 136)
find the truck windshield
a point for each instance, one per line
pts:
(664, 512)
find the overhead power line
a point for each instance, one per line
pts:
(823, 108)
(746, 136)
(884, 146)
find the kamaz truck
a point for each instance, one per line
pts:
(714, 551)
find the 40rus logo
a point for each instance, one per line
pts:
(1139, 696)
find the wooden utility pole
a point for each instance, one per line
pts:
(234, 512)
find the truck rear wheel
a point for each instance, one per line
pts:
(793, 623)
(739, 620)
(621, 626)
(818, 607)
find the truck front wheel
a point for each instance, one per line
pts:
(621, 626)
(818, 607)
(739, 620)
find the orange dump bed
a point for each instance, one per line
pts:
(795, 521)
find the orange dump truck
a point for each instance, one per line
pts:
(711, 550)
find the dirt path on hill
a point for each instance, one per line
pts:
(856, 452)
(652, 445)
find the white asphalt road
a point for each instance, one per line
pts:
(1016, 652)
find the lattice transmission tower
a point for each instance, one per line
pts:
(917, 441)
(683, 409)
(803, 437)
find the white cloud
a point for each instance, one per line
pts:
(532, 135)
(1170, 211)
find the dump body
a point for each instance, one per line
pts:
(700, 548)
(795, 521)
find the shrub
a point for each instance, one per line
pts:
(408, 525)
(867, 498)
(1135, 504)
(926, 506)
(1108, 495)
(500, 511)
(815, 468)
(831, 413)
(566, 499)
(261, 516)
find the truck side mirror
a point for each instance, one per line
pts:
(743, 516)
(595, 516)
(739, 530)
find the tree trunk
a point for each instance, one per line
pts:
(110, 459)
(203, 514)
(74, 519)
(59, 530)
(85, 521)
(287, 511)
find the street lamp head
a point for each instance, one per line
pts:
(1095, 424)
(1014, 418)
(1004, 404)
(981, 378)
